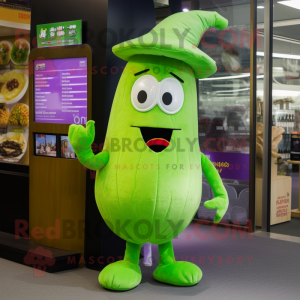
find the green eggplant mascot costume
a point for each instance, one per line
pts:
(149, 176)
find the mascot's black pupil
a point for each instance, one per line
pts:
(142, 96)
(167, 98)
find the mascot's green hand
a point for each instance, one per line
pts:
(220, 202)
(81, 139)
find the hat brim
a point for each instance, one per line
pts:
(203, 66)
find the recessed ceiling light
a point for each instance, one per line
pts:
(185, 9)
(291, 3)
(260, 7)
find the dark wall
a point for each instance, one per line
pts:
(127, 19)
(14, 197)
(175, 6)
(19, 2)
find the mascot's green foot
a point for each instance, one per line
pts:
(120, 276)
(179, 273)
(174, 272)
(125, 274)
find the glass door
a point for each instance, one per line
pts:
(285, 152)
(224, 109)
(278, 128)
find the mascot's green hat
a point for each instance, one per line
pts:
(177, 36)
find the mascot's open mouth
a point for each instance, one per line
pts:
(157, 139)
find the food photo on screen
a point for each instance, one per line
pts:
(20, 52)
(60, 91)
(14, 100)
(45, 145)
(19, 115)
(12, 146)
(4, 115)
(5, 52)
(67, 150)
(13, 85)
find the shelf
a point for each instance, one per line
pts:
(285, 111)
(280, 90)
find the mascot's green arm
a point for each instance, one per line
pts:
(220, 202)
(81, 140)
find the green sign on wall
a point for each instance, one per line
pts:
(59, 34)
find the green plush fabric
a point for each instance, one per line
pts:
(144, 195)
(220, 202)
(180, 273)
(177, 37)
(81, 140)
(125, 274)
(142, 186)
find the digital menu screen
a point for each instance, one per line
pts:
(60, 91)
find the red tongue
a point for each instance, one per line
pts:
(160, 142)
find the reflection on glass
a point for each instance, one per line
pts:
(161, 3)
(224, 110)
(284, 215)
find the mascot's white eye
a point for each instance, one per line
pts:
(170, 96)
(143, 93)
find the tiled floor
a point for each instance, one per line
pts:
(235, 266)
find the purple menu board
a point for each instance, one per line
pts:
(60, 88)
